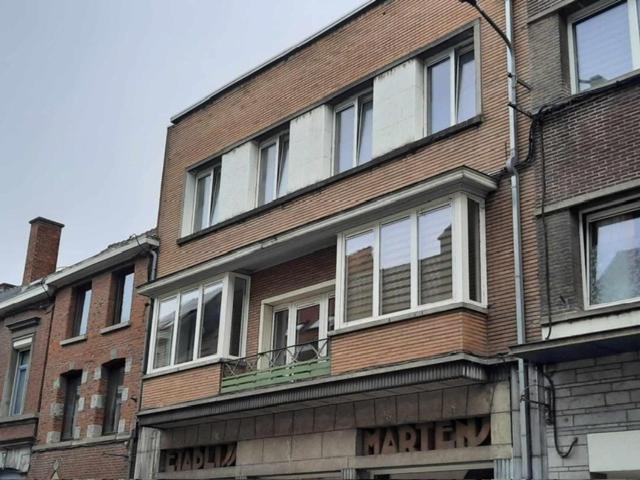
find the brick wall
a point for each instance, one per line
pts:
(42, 250)
(593, 395)
(192, 384)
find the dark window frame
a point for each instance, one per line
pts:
(80, 297)
(121, 279)
(113, 396)
(72, 383)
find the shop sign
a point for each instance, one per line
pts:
(470, 432)
(198, 458)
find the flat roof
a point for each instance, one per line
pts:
(282, 55)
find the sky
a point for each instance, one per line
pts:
(87, 89)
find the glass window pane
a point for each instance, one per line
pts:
(359, 276)
(473, 209)
(307, 331)
(83, 305)
(126, 298)
(203, 194)
(214, 214)
(466, 86)
(237, 315)
(280, 337)
(210, 320)
(283, 167)
(268, 168)
(70, 415)
(395, 266)
(331, 321)
(344, 139)
(603, 47)
(187, 325)
(20, 382)
(113, 401)
(164, 333)
(434, 252)
(614, 258)
(439, 96)
(366, 132)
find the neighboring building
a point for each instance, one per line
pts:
(25, 319)
(585, 58)
(335, 292)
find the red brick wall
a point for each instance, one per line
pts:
(174, 388)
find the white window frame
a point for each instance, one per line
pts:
(453, 54)
(460, 259)
(595, 9)
(197, 175)
(587, 217)
(226, 311)
(355, 101)
(276, 140)
(20, 345)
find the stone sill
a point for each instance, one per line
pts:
(84, 442)
(184, 366)
(25, 418)
(590, 313)
(69, 341)
(114, 328)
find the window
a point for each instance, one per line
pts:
(274, 159)
(71, 400)
(353, 132)
(82, 308)
(613, 255)
(451, 88)
(124, 297)
(205, 201)
(113, 400)
(22, 355)
(424, 257)
(200, 322)
(294, 330)
(604, 43)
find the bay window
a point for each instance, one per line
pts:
(421, 258)
(451, 88)
(274, 159)
(604, 43)
(202, 322)
(353, 132)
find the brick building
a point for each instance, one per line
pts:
(586, 96)
(336, 289)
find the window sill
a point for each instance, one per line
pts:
(590, 313)
(402, 316)
(375, 162)
(120, 437)
(17, 419)
(69, 341)
(113, 328)
(184, 366)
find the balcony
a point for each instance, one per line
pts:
(274, 367)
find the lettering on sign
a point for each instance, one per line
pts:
(470, 432)
(198, 458)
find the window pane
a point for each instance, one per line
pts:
(439, 96)
(395, 266)
(115, 378)
(70, 415)
(125, 298)
(603, 47)
(344, 139)
(214, 214)
(210, 320)
(434, 251)
(203, 194)
(331, 320)
(280, 334)
(187, 325)
(237, 315)
(473, 209)
(83, 305)
(268, 166)
(466, 86)
(283, 168)
(359, 276)
(307, 330)
(20, 382)
(366, 132)
(164, 333)
(614, 258)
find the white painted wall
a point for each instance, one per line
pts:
(615, 453)
(238, 180)
(398, 107)
(310, 137)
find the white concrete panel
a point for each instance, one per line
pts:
(238, 180)
(310, 151)
(594, 324)
(615, 453)
(398, 106)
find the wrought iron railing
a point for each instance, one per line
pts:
(277, 366)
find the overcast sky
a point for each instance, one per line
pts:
(86, 92)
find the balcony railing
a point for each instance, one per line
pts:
(284, 365)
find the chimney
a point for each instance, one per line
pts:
(42, 253)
